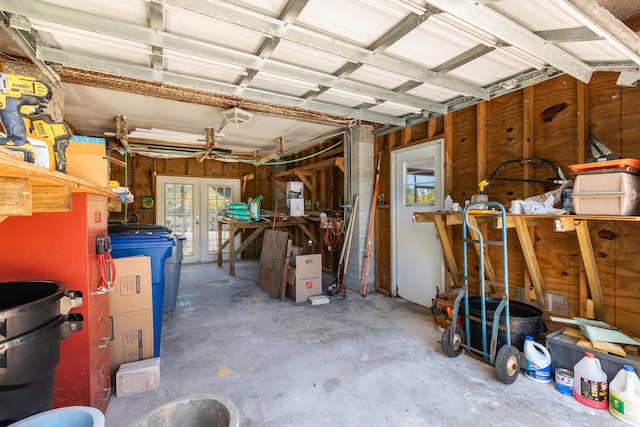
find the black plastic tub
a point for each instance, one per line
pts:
(524, 319)
(27, 305)
(27, 369)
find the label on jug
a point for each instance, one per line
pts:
(595, 391)
(629, 412)
(536, 372)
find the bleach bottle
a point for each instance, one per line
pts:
(590, 385)
(624, 396)
(538, 361)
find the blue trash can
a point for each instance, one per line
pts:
(158, 247)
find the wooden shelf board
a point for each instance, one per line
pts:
(43, 190)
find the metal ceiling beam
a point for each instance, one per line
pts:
(490, 21)
(76, 19)
(578, 34)
(603, 23)
(408, 24)
(144, 73)
(464, 58)
(274, 27)
(289, 13)
(26, 42)
(155, 21)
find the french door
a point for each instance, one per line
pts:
(191, 206)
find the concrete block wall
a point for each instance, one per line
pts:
(360, 177)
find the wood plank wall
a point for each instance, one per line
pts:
(329, 184)
(550, 120)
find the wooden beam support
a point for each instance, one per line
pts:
(591, 269)
(308, 233)
(530, 257)
(447, 250)
(448, 153)
(481, 145)
(528, 146)
(583, 122)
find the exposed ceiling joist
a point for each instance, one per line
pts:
(274, 27)
(488, 20)
(98, 64)
(306, 68)
(161, 39)
(603, 23)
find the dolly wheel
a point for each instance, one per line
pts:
(507, 364)
(452, 347)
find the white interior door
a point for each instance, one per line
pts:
(417, 255)
(191, 206)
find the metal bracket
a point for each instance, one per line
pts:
(628, 78)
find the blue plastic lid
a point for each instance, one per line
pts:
(628, 368)
(528, 338)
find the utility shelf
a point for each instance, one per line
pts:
(26, 188)
(561, 223)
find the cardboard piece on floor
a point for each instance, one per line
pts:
(272, 260)
(305, 279)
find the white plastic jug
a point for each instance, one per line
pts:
(538, 361)
(448, 204)
(590, 385)
(624, 396)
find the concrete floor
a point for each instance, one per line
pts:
(373, 361)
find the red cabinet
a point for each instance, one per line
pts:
(62, 247)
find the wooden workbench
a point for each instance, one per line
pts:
(258, 228)
(561, 223)
(26, 188)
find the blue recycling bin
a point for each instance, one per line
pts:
(158, 246)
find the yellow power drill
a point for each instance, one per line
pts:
(55, 134)
(17, 91)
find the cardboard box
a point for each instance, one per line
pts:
(132, 290)
(272, 259)
(295, 207)
(295, 190)
(305, 279)
(90, 167)
(131, 336)
(87, 145)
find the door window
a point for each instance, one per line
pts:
(179, 212)
(420, 183)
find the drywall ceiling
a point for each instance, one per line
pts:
(306, 69)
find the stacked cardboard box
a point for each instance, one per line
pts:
(295, 198)
(131, 316)
(304, 278)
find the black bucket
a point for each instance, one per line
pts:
(28, 305)
(27, 369)
(524, 319)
